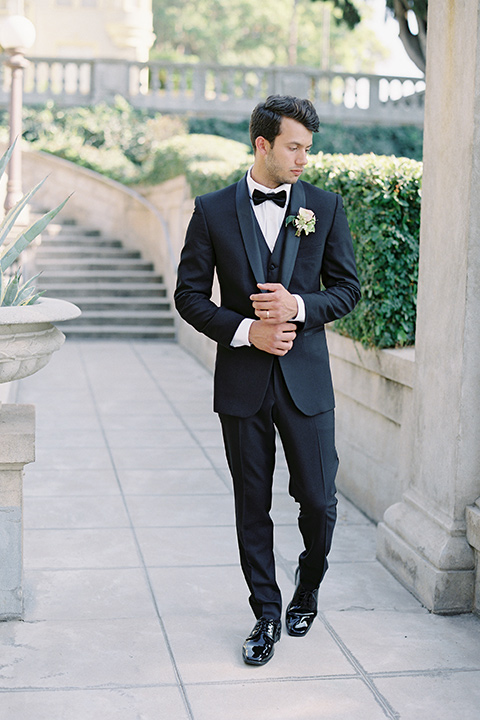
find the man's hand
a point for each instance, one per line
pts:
(276, 305)
(276, 339)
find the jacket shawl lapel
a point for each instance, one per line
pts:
(248, 230)
(292, 242)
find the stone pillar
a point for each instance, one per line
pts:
(17, 448)
(422, 539)
(473, 537)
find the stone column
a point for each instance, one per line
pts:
(423, 538)
(17, 448)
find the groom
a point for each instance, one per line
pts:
(283, 254)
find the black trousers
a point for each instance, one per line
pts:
(309, 445)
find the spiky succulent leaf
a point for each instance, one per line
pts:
(25, 294)
(33, 299)
(11, 290)
(5, 159)
(26, 238)
(11, 217)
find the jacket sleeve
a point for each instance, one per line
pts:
(338, 274)
(195, 281)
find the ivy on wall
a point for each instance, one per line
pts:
(382, 197)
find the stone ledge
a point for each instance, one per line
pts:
(473, 525)
(393, 364)
(17, 433)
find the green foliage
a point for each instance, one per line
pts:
(12, 292)
(382, 198)
(381, 194)
(208, 161)
(116, 139)
(271, 32)
(402, 141)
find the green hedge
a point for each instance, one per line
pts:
(208, 161)
(382, 198)
(401, 140)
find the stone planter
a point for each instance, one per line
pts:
(28, 338)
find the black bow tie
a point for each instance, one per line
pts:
(279, 198)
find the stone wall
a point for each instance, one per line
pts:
(373, 390)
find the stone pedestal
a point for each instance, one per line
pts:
(423, 538)
(473, 537)
(17, 448)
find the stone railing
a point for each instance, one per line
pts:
(220, 91)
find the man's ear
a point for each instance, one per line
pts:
(262, 145)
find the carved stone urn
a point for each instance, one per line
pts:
(28, 336)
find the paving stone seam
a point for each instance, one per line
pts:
(179, 416)
(433, 672)
(180, 683)
(381, 700)
(287, 567)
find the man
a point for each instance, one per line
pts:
(273, 253)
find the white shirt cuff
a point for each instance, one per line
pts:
(241, 336)
(300, 316)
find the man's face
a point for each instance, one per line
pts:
(285, 160)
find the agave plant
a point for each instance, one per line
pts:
(12, 291)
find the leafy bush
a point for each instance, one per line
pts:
(382, 199)
(402, 141)
(115, 139)
(208, 161)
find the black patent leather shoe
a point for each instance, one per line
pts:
(258, 648)
(302, 610)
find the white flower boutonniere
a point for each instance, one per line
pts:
(303, 222)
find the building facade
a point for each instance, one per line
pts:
(116, 29)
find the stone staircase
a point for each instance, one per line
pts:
(120, 295)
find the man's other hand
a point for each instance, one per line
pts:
(276, 339)
(276, 305)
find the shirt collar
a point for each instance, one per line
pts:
(252, 185)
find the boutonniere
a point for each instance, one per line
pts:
(303, 222)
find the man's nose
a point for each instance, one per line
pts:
(302, 158)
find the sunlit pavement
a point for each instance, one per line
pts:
(135, 605)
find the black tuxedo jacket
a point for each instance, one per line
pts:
(223, 236)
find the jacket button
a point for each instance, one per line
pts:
(272, 266)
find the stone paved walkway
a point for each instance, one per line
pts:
(136, 608)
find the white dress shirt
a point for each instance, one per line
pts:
(270, 218)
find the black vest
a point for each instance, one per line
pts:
(271, 261)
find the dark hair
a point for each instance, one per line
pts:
(267, 116)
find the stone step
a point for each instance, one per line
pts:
(98, 276)
(73, 252)
(120, 294)
(109, 332)
(134, 302)
(79, 241)
(145, 318)
(74, 291)
(53, 229)
(86, 265)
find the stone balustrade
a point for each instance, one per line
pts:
(220, 91)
